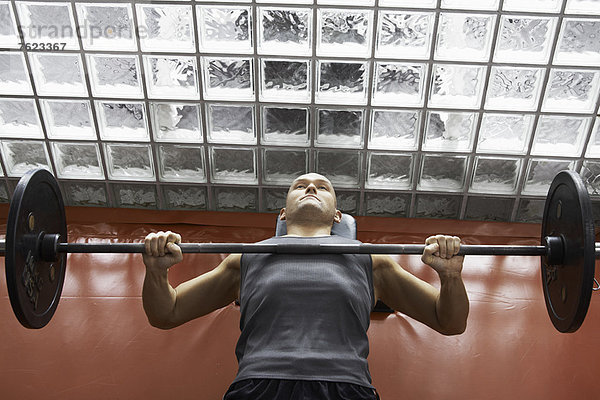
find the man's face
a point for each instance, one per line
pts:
(311, 197)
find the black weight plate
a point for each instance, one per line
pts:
(34, 285)
(568, 286)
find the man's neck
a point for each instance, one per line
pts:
(308, 230)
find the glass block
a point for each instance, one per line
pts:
(513, 88)
(122, 121)
(59, 75)
(394, 130)
(228, 79)
(389, 171)
(541, 172)
(496, 175)
(549, 6)
(21, 156)
(340, 128)
(342, 82)
(106, 26)
(593, 146)
(185, 197)
(399, 84)
(345, 2)
(166, 28)
(342, 168)
(68, 119)
(442, 173)
(178, 163)
(283, 166)
(466, 37)
(489, 209)
(9, 36)
(583, 7)
(135, 196)
(524, 38)
(19, 119)
(115, 76)
(77, 160)
(560, 136)
(85, 194)
(449, 131)
(129, 161)
(172, 77)
(176, 122)
(14, 78)
(230, 124)
(344, 32)
(505, 133)
(590, 173)
(224, 29)
(285, 80)
(437, 206)
(530, 211)
(571, 91)
(285, 31)
(285, 126)
(273, 199)
(236, 199)
(457, 86)
(382, 204)
(347, 202)
(4, 197)
(491, 5)
(578, 42)
(408, 3)
(402, 34)
(233, 165)
(283, 1)
(48, 23)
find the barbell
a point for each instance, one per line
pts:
(36, 246)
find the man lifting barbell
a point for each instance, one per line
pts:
(304, 318)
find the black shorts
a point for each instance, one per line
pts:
(283, 389)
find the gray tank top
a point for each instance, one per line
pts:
(305, 317)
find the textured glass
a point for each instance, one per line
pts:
(341, 167)
(526, 39)
(233, 165)
(231, 124)
(408, 3)
(590, 173)
(285, 31)
(583, 7)
(166, 28)
(4, 197)
(87, 194)
(465, 37)
(496, 175)
(489, 209)
(185, 197)
(106, 26)
(228, 78)
(342, 82)
(169, 77)
(449, 131)
(122, 121)
(224, 29)
(285, 80)
(115, 76)
(179, 163)
(550, 6)
(175, 122)
(58, 74)
(394, 130)
(389, 171)
(436, 206)
(380, 204)
(285, 126)
(129, 161)
(14, 78)
(19, 119)
(571, 91)
(471, 4)
(514, 88)
(48, 23)
(344, 32)
(236, 199)
(284, 1)
(345, 2)
(404, 34)
(77, 160)
(457, 86)
(283, 166)
(560, 136)
(135, 196)
(8, 28)
(347, 202)
(593, 147)
(504, 133)
(530, 210)
(442, 173)
(21, 156)
(340, 128)
(578, 43)
(540, 174)
(273, 200)
(399, 84)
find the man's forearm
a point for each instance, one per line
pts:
(158, 297)
(452, 306)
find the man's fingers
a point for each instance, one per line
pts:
(443, 246)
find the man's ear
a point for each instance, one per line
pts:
(282, 214)
(337, 218)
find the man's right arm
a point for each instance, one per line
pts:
(167, 307)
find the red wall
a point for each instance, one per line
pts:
(100, 346)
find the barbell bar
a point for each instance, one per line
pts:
(36, 246)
